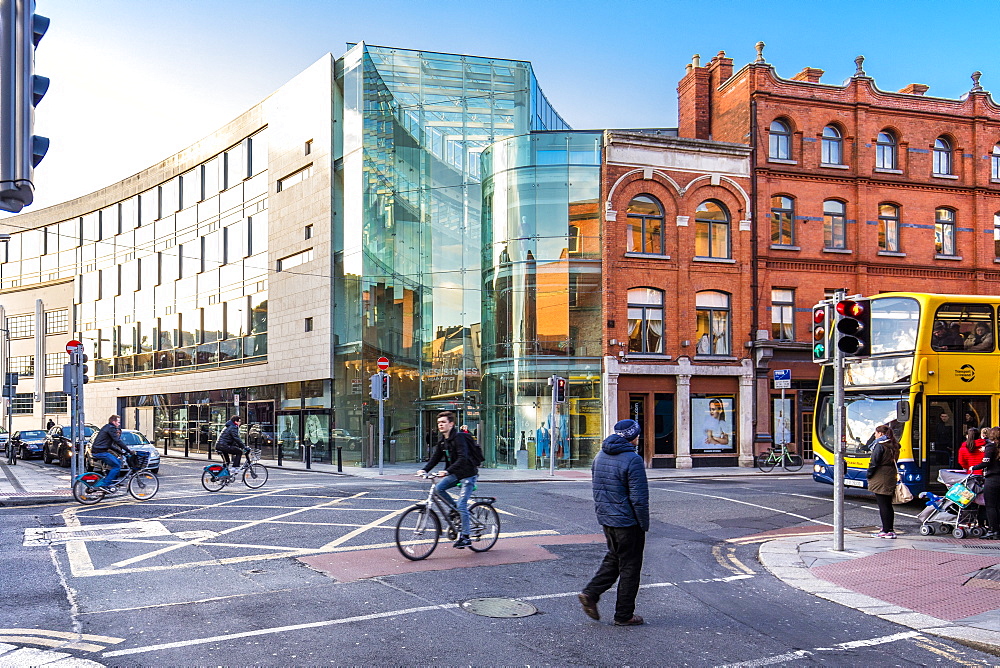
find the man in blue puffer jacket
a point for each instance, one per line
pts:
(621, 498)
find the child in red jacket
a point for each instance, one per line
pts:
(971, 452)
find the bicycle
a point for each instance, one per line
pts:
(254, 474)
(419, 527)
(778, 456)
(141, 484)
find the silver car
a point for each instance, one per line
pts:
(136, 441)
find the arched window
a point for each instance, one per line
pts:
(833, 146)
(645, 320)
(885, 150)
(834, 224)
(782, 221)
(888, 227)
(780, 146)
(995, 163)
(712, 313)
(711, 230)
(645, 226)
(942, 156)
(944, 232)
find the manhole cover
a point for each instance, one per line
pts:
(506, 608)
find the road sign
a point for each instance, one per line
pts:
(383, 363)
(782, 379)
(73, 345)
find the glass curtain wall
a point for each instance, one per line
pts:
(409, 260)
(542, 287)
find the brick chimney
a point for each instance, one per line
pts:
(810, 74)
(914, 89)
(693, 101)
(720, 68)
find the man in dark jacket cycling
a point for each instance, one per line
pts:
(230, 443)
(621, 499)
(107, 446)
(454, 444)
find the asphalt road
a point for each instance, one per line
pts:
(303, 572)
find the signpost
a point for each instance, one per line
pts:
(380, 392)
(783, 381)
(74, 378)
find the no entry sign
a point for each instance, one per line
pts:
(383, 363)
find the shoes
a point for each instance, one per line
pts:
(886, 534)
(453, 515)
(589, 606)
(991, 536)
(636, 620)
(462, 542)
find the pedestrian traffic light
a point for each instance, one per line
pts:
(559, 385)
(20, 92)
(854, 327)
(822, 315)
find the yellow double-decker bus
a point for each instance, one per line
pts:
(933, 373)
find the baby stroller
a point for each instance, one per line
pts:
(958, 510)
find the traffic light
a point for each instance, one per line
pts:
(822, 315)
(559, 386)
(20, 91)
(380, 386)
(854, 327)
(75, 373)
(83, 369)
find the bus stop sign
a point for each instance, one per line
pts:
(782, 379)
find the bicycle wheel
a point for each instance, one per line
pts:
(417, 533)
(255, 476)
(764, 462)
(210, 482)
(81, 494)
(143, 486)
(791, 462)
(485, 527)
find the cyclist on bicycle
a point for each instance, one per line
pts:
(230, 443)
(455, 444)
(108, 447)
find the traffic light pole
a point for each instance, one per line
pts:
(381, 429)
(839, 438)
(552, 429)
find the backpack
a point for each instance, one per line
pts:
(475, 450)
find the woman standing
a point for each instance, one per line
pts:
(882, 476)
(990, 466)
(971, 452)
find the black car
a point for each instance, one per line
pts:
(58, 446)
(29, 443)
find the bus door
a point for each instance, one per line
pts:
(948, 419)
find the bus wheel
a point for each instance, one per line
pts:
(926, 530)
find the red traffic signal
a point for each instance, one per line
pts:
(559, 390)
(854, 326)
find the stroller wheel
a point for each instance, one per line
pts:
(926, 530)
(959, 532)
(977, 532)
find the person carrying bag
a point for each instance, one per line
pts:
(883, 477)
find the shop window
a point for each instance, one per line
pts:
(712, 423)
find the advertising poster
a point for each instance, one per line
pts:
(712, 421)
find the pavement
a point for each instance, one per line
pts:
(937, 585)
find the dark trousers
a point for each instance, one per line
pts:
(991, 495)
(885, 511)
(623, 562)
(233, 452)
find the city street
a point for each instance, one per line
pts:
(304, 571)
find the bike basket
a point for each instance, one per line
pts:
(254, 455)
(141, 459)
(90, 478)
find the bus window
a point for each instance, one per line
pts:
(864, 413)
(965, 327)
(895, 321)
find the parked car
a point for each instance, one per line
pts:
(135, 440)
(343, 438)
(58, 446)
(29, 443)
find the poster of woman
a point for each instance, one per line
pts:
(712, 424)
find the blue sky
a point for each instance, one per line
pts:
(135, 81)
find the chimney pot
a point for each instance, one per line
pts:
(914, 89)
(810, 74)
(696, 60)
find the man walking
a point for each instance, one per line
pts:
(621, 499)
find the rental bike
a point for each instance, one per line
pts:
(779, 456)
(254, 474)
(419, 527)
(141, 484)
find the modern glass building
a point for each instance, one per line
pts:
(542, 309)
(264, 269)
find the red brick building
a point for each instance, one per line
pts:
(677, 262)
(852, 187)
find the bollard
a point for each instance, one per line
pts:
(340, 459)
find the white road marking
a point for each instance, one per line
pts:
(753, 505)
(377, 615)
(853, 644)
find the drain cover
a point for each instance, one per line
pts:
(506, 608)
(987, 578)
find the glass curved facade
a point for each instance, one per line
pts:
(542, 297)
